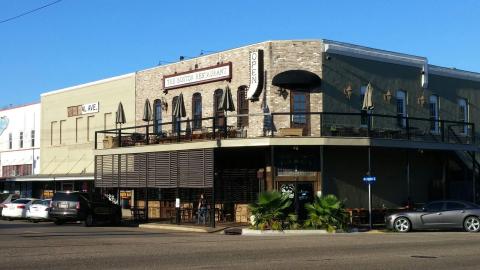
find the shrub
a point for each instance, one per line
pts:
(270, 211)
(326, 212)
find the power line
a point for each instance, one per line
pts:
(30, 11)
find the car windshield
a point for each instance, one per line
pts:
(37, 202)
(46, 202)
(3, 196)
(472, 205)
(23, 201)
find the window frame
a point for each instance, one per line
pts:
(463, 102)
(242, 107)
(218, 114)
(197, 111)
(20, 139)
(403, 96)
(434, 102)
(157, 121)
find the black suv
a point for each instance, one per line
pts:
(80, 206)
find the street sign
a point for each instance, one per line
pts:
(369, 179)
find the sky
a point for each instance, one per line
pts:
(79, 41)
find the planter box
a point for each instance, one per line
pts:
(284, 232)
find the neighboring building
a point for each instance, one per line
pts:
(300, 125)
(19, 148)
(70, 118)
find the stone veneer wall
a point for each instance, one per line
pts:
(279, 56)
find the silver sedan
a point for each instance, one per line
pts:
(437, 215)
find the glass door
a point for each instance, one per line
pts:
(300, 103)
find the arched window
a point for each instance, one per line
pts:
(242, 106)
(197, 111)
(217, 99)
(175, 122)
(157, 116)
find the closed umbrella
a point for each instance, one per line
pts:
(367, 99)
(120, 119)
(147, 111)
(179, 110)
(226, 103)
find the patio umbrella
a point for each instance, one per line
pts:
(367, 99)
(147, 111)
(179, 110)
(226, 104)
(120, 115)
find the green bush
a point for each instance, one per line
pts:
(326, 212)
(270, 211)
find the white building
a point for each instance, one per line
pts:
(19, 147)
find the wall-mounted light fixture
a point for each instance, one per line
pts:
(422, 100)
(387, 97)
(164, 104)
(348, 91)
(282, 92)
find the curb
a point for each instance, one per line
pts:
(180, 228)
(250, 232)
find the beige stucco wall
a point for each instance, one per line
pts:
(74, 154)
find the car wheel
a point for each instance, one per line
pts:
(402, 224)
(89, 220)
(59, 222)
(471, 224)
(116, 220)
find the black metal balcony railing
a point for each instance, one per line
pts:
(311, 124)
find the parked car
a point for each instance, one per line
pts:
(80, 206)
(438, 215)
(38, 210)
(6, 198)
(17, 209)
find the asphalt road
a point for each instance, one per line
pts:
(72, 246)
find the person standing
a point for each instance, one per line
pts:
(202, 209)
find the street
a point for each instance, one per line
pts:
(73, 246)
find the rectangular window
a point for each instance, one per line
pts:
(62, 127)
(78, 127)
(434, 114)
(20, 143)
(53, 126)
(463, 115)
(401, 108)
(10, 141)
(242, 103)
(32, 137)
(90, 133)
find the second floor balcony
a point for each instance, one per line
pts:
(290, 125)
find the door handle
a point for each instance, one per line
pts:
(439, 214)
(463, 211)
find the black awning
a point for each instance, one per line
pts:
(296, 79)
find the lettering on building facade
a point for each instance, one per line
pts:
(199, 76)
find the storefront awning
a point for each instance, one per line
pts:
(47, 178)
(296, 80)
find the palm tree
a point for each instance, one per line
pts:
(326, 212)
(270, 210)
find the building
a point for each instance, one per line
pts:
(309, 117)
(70, 118)
(19, 148)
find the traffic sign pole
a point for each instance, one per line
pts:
(370, 204)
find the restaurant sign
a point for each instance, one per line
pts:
(256, 75)
(199, 76)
